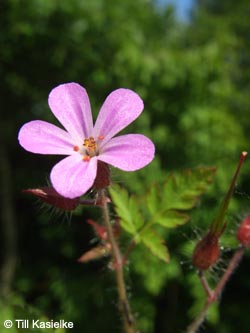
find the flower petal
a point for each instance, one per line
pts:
(128, 152)
(72, 177)
(44, 138)
(70, 104)
(120, 109)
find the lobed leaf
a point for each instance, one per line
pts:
(155, 244)
(172, 219)
(182, 191)
(127, 210)
(164, 204)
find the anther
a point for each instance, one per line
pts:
(86, 158)
(90, 146)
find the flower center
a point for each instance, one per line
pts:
(89, 147)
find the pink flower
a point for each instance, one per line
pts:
(84, 143)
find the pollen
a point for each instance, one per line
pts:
(76, 148)
(90, 146)
(100, 137)
(90, 143)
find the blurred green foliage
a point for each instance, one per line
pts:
(194, 79)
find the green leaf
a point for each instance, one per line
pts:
(152, 199)
(172, 219)
(152, 274)
(182, 191)
(164, 205)
(155, 244)
(127, 209)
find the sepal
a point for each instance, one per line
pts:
(53, 198)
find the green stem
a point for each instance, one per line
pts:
(124, 306)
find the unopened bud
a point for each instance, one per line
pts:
(243, 233)
(97, 252)
(100, 230)
(206, 252)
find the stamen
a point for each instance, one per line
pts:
(86, 158)
(90, 146)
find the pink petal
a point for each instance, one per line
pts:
(70, 104)
(128, 152)
(72, 177)
(44, 138)
(120, 109)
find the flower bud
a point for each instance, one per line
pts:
(100, 230)
(98, 252)
(206, 252)
(243, 233)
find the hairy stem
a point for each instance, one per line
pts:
(212, 296)
(124, 306)
(234, 262)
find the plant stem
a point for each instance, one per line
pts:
(193, 327)
(234, 262)
(218, 225)
(205, 285)
(212, 296)
(130, 248)
(124, 306)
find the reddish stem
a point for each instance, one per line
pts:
(124, 306)
(130, 248)
(212, 296)
(234, 262)
(205, 284)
